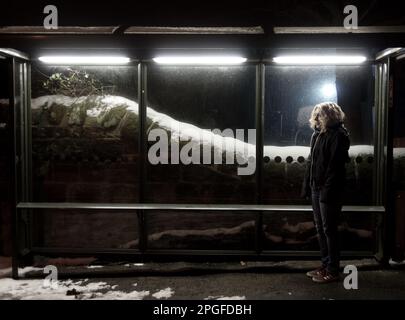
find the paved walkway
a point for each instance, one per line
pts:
(181, 280)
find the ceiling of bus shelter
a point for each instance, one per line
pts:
(201, 13)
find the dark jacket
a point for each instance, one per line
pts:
(326, 163)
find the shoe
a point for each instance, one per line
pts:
(316, 272)
(326, 277)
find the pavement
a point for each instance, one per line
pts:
(210, 281)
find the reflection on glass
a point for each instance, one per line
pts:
(84, 229)
(291, 93)
(84, 134)
(85, 149)
(188, 103)
(296, 231)
(201, 230)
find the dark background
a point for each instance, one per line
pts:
(202, 13)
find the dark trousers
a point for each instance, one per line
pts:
(327, 217)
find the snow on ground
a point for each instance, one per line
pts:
(360, 149)
(180, 131)
(117, 295)
(36, 289)
(163, 294)
(225, 298)
(399, 152)
(134, 264)
(185, 131)
(6, 272)
(94, 267)
(40, 289)
(396, 263)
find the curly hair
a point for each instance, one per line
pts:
(326, 115)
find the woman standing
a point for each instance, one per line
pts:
(324, 183)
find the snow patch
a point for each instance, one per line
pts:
(34, 289)
(185, 131)
(134, 264)
(23, 271)
(360, 149)
(6, 272)
(179, 130)
(117, 295)
(399, 152)
(225, 298)
(163, 294)
(49, 100)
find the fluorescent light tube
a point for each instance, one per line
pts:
(86, 60)
(319, 59)
(202, 60)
